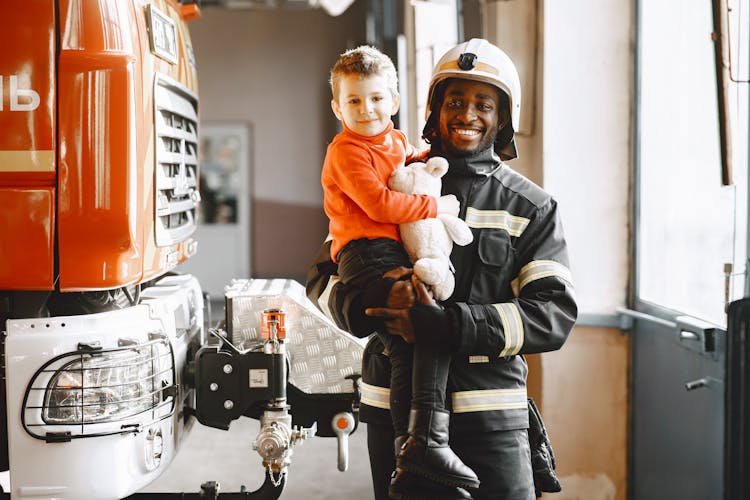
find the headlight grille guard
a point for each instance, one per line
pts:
(156, 352)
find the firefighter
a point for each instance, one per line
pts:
(513, 293)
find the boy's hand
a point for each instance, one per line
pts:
(424, 296)
(448, 205)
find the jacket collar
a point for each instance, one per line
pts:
(484, 163)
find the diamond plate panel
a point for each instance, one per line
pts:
(321, 355)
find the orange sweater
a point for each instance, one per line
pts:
(357, 199)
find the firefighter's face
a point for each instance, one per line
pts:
(470, 117)
(366, 104)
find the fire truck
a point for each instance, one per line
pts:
(108, 355)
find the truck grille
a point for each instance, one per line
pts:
(176, 145)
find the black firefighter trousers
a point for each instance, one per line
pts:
(501, 459)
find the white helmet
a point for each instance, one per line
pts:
(482, 61)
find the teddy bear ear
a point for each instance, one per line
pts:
(436, 166)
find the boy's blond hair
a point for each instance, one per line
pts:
(363, 61)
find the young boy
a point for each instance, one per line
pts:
(364, 216)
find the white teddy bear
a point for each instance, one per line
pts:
(429, 241)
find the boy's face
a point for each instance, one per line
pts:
(366, 104)
(470, 117)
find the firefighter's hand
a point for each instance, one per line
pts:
(398, 273)
(397, 319)
(401, 295)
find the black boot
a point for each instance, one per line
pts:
(426, 453)
(406, 486)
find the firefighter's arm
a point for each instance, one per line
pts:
(538, 320)
(538, 323)
(544, 310)
(345, 304)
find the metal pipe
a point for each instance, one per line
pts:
(721, 63)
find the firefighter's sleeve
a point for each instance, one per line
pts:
(544, 309)
(345, 304)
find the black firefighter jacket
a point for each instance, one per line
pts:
(513, 296)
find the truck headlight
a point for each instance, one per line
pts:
(94, 386)
(102, 388)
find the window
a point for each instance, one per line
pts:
(690, 226)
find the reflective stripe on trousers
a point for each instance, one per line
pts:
(463, 401)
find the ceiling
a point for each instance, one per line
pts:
(332, 7)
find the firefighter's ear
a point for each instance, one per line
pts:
(336, 109)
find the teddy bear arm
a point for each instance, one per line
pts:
(457, 229)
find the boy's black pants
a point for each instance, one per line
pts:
(419, 374)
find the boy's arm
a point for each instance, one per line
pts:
(352, 171)
(413, 154)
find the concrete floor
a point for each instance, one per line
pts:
(227, 457)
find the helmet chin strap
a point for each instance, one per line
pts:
(507, 152)
(505, 143)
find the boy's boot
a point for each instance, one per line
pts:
(406, 486)
(426, 452)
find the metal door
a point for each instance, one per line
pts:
(678, 408)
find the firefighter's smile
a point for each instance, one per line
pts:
(467, 132)
(463, 133)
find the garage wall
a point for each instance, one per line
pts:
(588, 96)
(269, 68)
